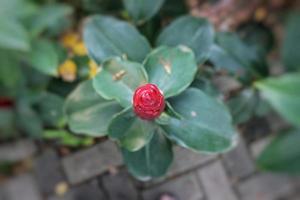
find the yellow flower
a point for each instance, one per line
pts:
(260, 14)
(68, 70)
(69, 40)
(93, 69)
(79, 49)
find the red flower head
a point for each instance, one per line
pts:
(148, 101)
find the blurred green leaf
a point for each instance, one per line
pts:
(28, 120)
(49, 16)
(221, 59)
(282, 154)
(283, 94)
(10, 69)
(13, 35)
(142, 10)
(50, 109)
(131, 132)
(107, 37)
(258, 36)
(239, 55)
(205, 124)
(151, 161)
(13, 9)
(164, 67)
(43, 57)
(204, 84)
(291, 44)
(121, 78)
(66, 138)
(196, 33)
(87, 112)
(242, 106)
(7, 123)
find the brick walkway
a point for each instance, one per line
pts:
(97, 173)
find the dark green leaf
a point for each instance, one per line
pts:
(49, 16)
(7, 123)
(10, 69)
(196, 33)
(13, 35)
(43, 57)
(87, 112)
(282, 154)
(28, 120)
(241, 55)
(171, 69)
(142, 10)
(131, 132)
(50, 108)
(221, 59)
(283, 94)
(151, 161)
(118, 80)
(242, 106)
(258, 36)
(106, 37)
(15, 9)
(291, 44)
(205, 125)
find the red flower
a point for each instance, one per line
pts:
(148, 102)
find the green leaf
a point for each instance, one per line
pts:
(87, 112)
(28, 120)
(221, 59)
(242, 106)
(13, 9)
(151, 161)
(196, 33)
(66, 138)
(44, 57)
(244, 57)
(205, 124)
(258, 36)
(13, 35)
(50, 107)
(131, 132)
(118, 80)
(171, 69)
(10, 69)
(7, 123)
(107, 37)
(291, 44)
(284, 95)
(49, 16)
(142, 10)
(282, 154)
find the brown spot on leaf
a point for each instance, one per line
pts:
(167, 65)
(117, 76)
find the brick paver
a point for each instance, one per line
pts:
(265, 187)
(48, 171)
(16, 151)
(184, 187)
(238, 162)
(192, 176)
(120, 186)
(22, 187)
(216, 183)
(91, 162)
